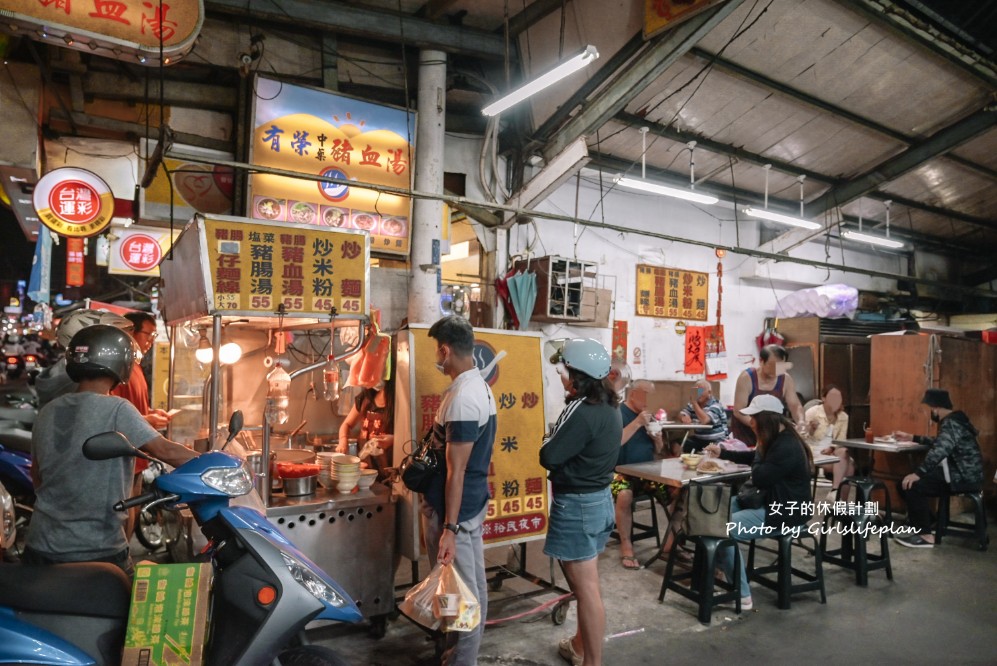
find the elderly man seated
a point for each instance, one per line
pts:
(637, 446)
(706, 410)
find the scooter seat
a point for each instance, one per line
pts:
(15, 439)
(79, 588)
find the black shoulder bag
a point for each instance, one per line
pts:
(420, 468)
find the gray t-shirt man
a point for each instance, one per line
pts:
(73, 520)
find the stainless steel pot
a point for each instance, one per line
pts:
(302, 485)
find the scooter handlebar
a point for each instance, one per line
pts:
(138, 500)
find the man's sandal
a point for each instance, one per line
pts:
(630, 562)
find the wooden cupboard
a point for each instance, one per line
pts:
(903, 366)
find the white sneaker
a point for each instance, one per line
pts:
(746, 603)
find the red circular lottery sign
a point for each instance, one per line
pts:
(72, 202)
(140, 252)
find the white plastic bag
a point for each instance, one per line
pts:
(422, 604)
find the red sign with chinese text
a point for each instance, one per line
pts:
(74, 262)
(141, 252)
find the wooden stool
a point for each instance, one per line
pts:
(853, 553)
(783, 568)
(702, 577)
(977, 529)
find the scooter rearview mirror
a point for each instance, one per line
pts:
(234, 426)
(108, 445)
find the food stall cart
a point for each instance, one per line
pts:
(294, 296)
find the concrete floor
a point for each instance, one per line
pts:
(941, 607)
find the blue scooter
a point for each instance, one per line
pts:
(76, 614)
(15, 475)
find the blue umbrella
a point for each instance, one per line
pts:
(523, 293)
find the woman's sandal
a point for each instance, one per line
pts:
(630, 562)
(567, 652)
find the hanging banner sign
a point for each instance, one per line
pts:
(41, 269)
(73, 202)
(128, 31)
(74, 262)
(672, 293)
(620, 340)
(321, 133)
(517, 484)
(695, 350)
(259, 267)
(138, 250)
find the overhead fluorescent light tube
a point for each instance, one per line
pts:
(871, 239)
(676, 192)
(566, 68)
(782, 219)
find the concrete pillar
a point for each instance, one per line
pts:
(427, 214)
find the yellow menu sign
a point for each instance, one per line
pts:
(517, 484)
(672, 293)
(259, 267)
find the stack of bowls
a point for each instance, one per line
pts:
(325, 468)
(345, 472)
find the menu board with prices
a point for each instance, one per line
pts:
(259, 267)
(517, 484)
(672, 293)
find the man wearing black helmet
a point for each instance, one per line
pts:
(73, 520)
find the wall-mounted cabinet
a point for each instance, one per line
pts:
(565, 288)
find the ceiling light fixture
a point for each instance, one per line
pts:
(873, 239)
(570, 66)
(228, 353)
(766, 214)
(656, 188)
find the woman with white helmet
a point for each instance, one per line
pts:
(53, 380)
(580, 454)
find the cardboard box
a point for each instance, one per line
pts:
(168, 619)
(596, 307)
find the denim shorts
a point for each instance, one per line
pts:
(579, 525)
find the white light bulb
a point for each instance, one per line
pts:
(229, 353)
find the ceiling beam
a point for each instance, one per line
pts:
(660, 53)
(345, 18)
(530, 15)
(681, 136)
(896, 17)
(606, 71)
(936, 145)
(823, 105)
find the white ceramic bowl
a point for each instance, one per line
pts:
(346, 487)
(367, 478)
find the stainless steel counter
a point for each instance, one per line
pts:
(352, 537)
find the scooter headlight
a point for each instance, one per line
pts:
(8, 527)
(233, 481)
(312, 582)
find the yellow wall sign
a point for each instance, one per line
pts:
(73, 202)
(672, 293)
(258, 267)
(662, 14)
(317, 132)
(517, 484)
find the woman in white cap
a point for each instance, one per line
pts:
(580, 454)
(781, 469)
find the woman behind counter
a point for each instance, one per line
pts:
(580, 454)
(826, 422)
(374, 411)
(780, 467)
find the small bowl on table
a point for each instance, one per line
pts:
(690, 460)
